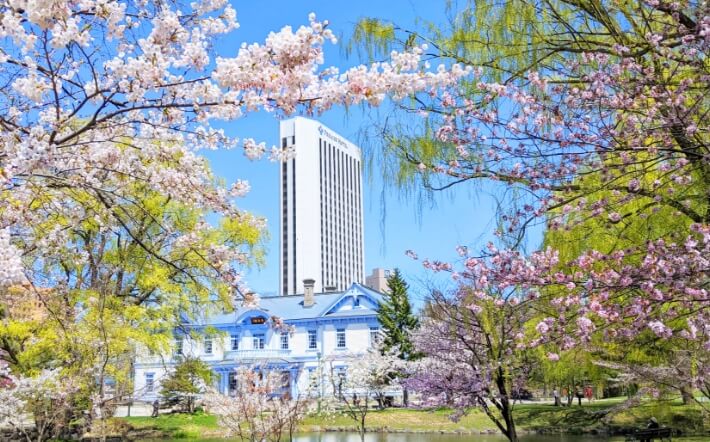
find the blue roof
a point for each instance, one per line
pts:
(291, 307)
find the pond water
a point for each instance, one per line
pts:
(433, 437)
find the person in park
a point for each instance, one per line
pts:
(589, 393)
(156, 408)
(556, 395)
(652, 425)
(565, 394)
(578, 393)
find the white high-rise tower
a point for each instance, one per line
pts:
(321, 209)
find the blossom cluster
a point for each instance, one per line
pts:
(106, 94)
(11, 270)
(617, 143)
(258, 408)
(22, 396)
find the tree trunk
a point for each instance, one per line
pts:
(507, 412)
(505, 408)
(686, 395)
(362, 427)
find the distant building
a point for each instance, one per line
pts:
(378, 280)
(25, 303)
(321, 209)
(330, 326)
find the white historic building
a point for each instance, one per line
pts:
(327, 328)
(321, 209)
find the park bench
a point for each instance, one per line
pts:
(650, 434)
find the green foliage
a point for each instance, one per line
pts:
(575, 368)
(129, 272)
(507, 40)
(396, 317)
(641, 221)
(190, 378)
(178, 426)
(375, 34)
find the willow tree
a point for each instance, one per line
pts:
(564, 41)
(582, 114)
(665, 365)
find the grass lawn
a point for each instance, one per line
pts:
(402, 419)
(530, 417)
(195, 426)
(575, 419)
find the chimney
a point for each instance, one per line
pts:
(308, 297)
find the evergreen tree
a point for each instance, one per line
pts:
(189, 379)
(398, 321)
(396, 317)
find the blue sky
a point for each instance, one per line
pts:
(459, 217)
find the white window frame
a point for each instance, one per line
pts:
(258, 341)
(208, 346)
(150, 382)
(340, 338)
(313, 343)
(284, 341)
(234, 342)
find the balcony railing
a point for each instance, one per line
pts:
(256, 354)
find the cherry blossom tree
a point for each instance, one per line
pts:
(104, 193)
(473, 355)
(125, 91)
(583, 117)
(355, 378)
(43, 400)
(613, 136)
(258, 410)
